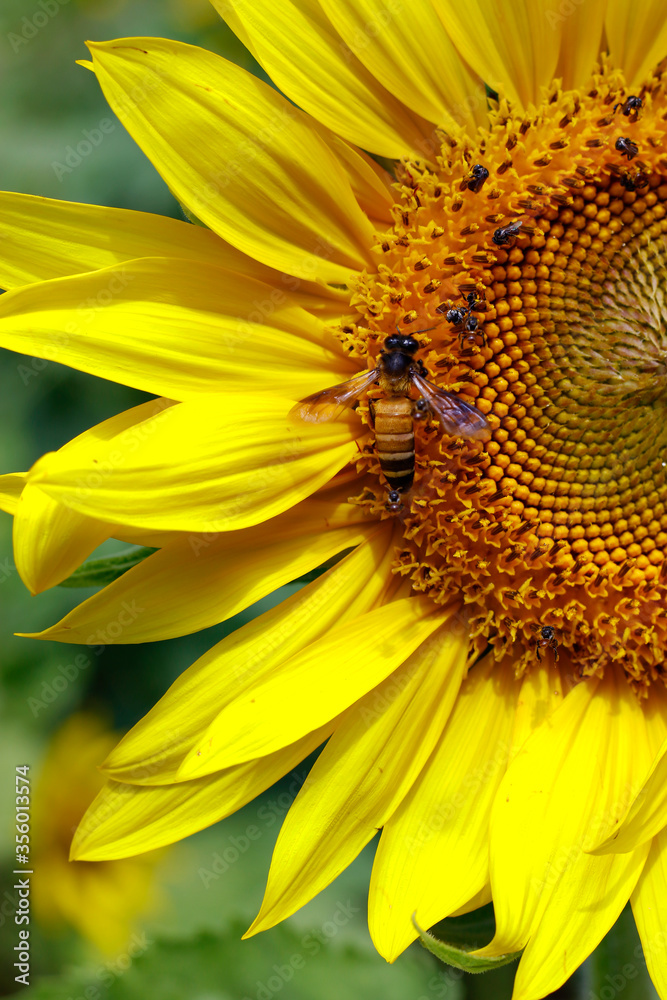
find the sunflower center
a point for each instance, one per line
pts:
(531, 266)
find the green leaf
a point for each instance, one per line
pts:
(461, 958)
(98, 572)
(280, 962)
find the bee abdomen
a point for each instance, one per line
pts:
(395, 439)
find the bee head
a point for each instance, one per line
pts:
(401, 342)
(393, 504)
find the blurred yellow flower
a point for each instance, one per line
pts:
(487, 664)
(101, 899)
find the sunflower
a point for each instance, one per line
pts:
(485, 663)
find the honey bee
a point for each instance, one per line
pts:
(626, 147)
(393, 415)
(466, 323)
(478, 175)
(503, 236)
(629, 105)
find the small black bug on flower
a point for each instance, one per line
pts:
(547, 637)
(626, 147)
(456, 316)
(504, 236)
(478, 175)
(629, 105)
(631, 182)
(463, 318)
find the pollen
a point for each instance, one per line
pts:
(530, 262)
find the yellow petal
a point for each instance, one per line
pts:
(238, 155)
(173, 327)
(371, 183)
(586, 903)
(301, 52)
(581, 39)
(645, 818)
(44, 238)
(314, 685)
(124, 820)
(511, 46)
(541, 694)
(199, 580)
(51, 540)
(433, 852)
(637, 42)
(407, 48)
(638, 820)
(212, 464)
(363, 773)
(480, 898)
(11, 487)
(568, 778)
(152, 752)
(648, 908)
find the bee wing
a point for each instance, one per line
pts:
(458, 418)
(327, 404)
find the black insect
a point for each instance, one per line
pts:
(631, 182)
(478, 174)
(463, 318)
(504, 236)
(456, 316)
(547, 637)
(627, 147)
(629, 105)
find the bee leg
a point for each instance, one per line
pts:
(371, 412)
(555, 649)
(537, 654)
(421, 409)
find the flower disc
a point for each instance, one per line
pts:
(559, 257)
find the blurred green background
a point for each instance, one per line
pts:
(192, 942)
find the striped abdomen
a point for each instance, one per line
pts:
(395, 439)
